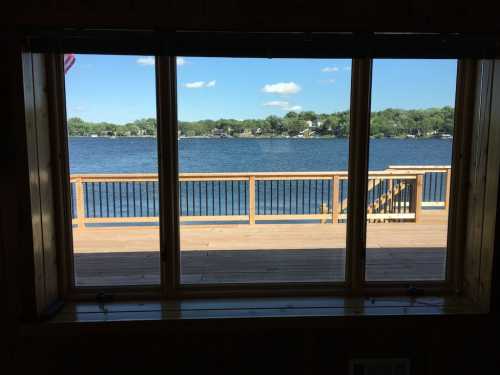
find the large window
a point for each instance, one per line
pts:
(257, 183)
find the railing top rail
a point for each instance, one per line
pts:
(122, 177)
(420, 168)
(114, 177)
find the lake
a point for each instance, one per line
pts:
(139, 155)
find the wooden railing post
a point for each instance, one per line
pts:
(80, 208)
(418, 196)
(335, 199)
(251, 197)
(448, 185)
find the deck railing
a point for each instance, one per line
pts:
(398, 193)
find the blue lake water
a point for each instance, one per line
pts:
(139, 155)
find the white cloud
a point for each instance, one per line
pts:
(276, 103)
(200, 84)
(146, 61)
(181, 61)
(284, 105)
(282, 88)
(195, 85)
(330, 69)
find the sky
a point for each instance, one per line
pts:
(121, 89)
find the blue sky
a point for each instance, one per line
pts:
(121, 89)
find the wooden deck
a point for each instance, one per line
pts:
(262, 253)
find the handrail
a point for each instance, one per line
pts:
(396, 193)
(233, 175)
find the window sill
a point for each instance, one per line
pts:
(277, 310)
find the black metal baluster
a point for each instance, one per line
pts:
(133, 198)
(199, 197)
(232, 197)
(284, 196)
(296, 196)
(91, 194)
(206, 198)
(193, 213)
(107, 198)
(121, 199)
(100, 199)
(435, 186)
(127, 192)
(186, 184)
(225, 197)
(219, 199)
(239, 197)
(139, 201)
(265, 197)
(213, 199)
(147, 199)
(309, 196)
(93, 199)
(322, 193)
(271, 197)
(316, 207)
(303, 197)
(114, 198)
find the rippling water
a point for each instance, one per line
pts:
(127, 155)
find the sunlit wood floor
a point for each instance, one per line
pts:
(261, 253)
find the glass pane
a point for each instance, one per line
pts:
(409, 169)
(263, 153)
(111, 109)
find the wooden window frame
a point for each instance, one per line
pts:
(355, 285)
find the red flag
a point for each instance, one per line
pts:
(69, 60)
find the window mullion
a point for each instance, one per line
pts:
(464, 117)
(358, 171)
(168, 172)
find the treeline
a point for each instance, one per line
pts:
(143, 127)
(386, 123)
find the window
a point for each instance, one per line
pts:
(263, 171)
(410, 153)
(113, 163)
(263, 162)
(271, 198)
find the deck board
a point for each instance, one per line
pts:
(262, 253)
